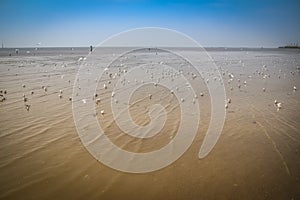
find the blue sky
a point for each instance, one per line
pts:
(232, 23)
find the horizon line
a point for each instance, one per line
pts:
(88, 46)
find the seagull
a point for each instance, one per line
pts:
(60, 96)
(105, 86)
(295, 88)
(23, 85)
(98, 101)
(102, 112)
(278, 105)
(264, 89)
(226, 106)
(60, 91)
(27, 107)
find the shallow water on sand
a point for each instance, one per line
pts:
(256, 157)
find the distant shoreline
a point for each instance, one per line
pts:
(290, 47)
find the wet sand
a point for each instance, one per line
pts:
(256, 157)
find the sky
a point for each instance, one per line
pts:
(214, 23)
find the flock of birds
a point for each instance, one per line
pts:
(97, 100)
(25, 99)
(264, 75)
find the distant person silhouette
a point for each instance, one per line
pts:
(91, 48)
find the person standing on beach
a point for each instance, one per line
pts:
(91, 48)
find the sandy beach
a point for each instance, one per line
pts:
(256, 157)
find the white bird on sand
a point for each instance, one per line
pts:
(150, 96)
(279, 106)
(102, 112)
(105, 86)
(264, 89)
(230, 76)
(229, 100)
(182, 100)
(201, 94)
(45, 89)
(98, 101)
(83, 100)
(226, 106)
(23, 85)
(27, 107)
(60, 91)
(294, 88)
(60, 96)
